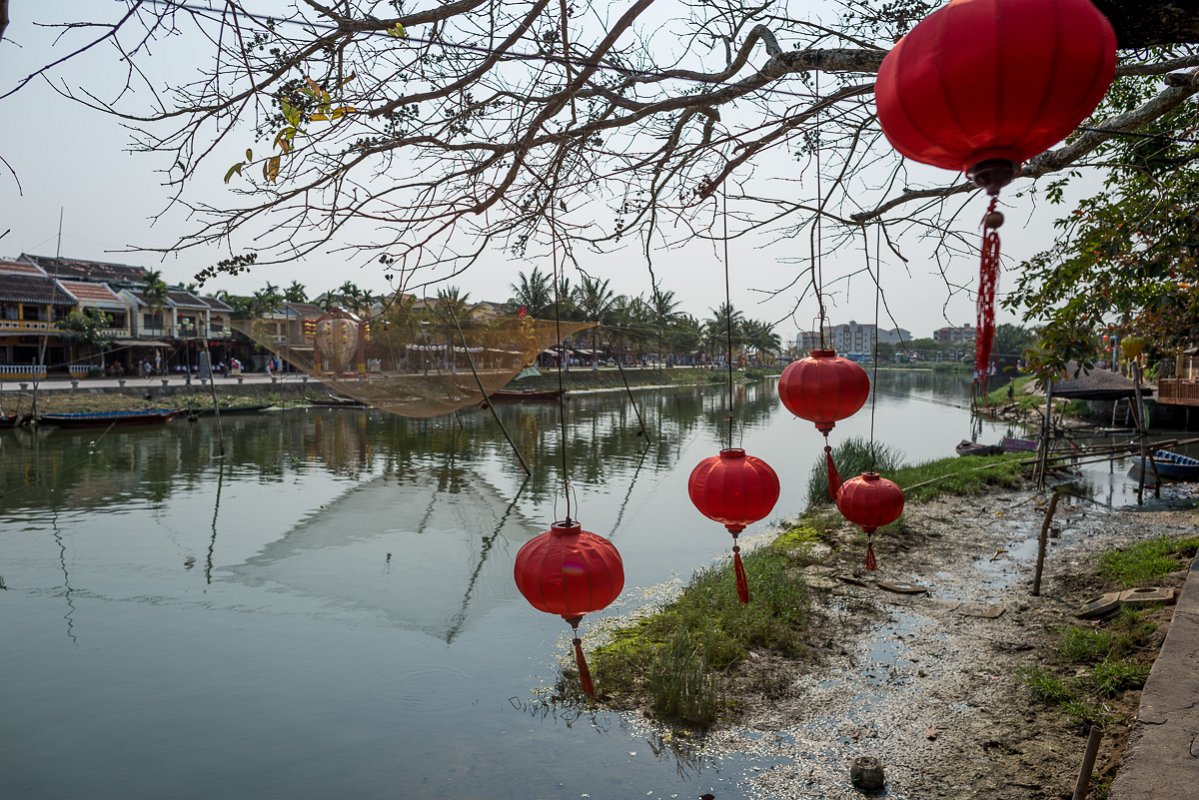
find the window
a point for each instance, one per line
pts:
(9, 311)
(152, 321)
(117, 319)
(34, 312)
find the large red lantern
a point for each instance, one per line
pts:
(570, 572)
(736, 490)
(824, 388)
(981, 86)
(870, 501)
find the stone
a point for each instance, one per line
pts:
(1099, 607)
(1147, 595)
(980, 610)
(866, 772)
(901, 587)
(821, 584)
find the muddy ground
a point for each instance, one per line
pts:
(922, 681)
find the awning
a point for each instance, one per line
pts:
(142, 343)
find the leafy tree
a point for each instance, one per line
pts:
(515, 123)
(296, 293)
(88, 329)
(594, 299)
(533, 293)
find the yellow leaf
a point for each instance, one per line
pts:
(399, 32)
(314, 86)
(319, 118)
(234, 170)
(347, 79)
(271, 168)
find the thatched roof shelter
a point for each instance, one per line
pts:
(1098, 384)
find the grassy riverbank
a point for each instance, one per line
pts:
(675, 659)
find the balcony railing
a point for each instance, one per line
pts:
(11, 372)
(24, 325)
(1178, 391)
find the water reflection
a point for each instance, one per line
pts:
(354, 630)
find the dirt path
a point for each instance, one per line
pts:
(921, 681)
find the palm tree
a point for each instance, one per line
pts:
(761, 337)
(156, 294)
(594, 299)
(663, 306)
(533, 293)
(725, 320)
(296, 293)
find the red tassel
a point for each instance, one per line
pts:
(584, 673)
(742, 578)
(871, 561)
(988, 280)
(834, 477)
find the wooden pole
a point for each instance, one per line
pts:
(1088, 763)
(1043, 543)
(1043, 450)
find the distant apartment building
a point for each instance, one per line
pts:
(952, 335)
(852, 337)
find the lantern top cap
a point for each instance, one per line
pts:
(568, 527)
(871, 476)
(819, 353)
(732, 452)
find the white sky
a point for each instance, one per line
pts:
(67, 156)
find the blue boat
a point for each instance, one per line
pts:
(102, 419)
(1170, 466)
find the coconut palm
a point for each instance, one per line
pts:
(296, 293)
(594, 299)
(533, 293)
(156, 294)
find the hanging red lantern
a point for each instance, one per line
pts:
(736, 490)
(824, 388)
(870, 501)
(570, 572)
(981, 86)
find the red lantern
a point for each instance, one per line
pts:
(984, 85)
(870, 501)
(824, 388)
(735, 490)
(570, 572)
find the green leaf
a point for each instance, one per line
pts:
(398, 32)
(234, 170)
(249, 154)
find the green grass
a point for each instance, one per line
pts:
(1107, 654)
(852, 457)
(957, 476)
(1149, 561)
(672, 659)
(999, 397)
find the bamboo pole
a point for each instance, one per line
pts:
(1043, 543)
(1088, 763)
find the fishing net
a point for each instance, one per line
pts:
(414, 362)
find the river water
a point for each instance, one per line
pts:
(328, 611)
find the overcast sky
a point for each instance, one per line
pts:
(71, 158)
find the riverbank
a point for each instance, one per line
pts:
(967, 687)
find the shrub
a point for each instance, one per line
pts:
(852, 457)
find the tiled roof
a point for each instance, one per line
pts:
(305, 309)
(93, 294)
(185, 299)
(80, 270)
(140, 297)
(18, 288)
(217, 305)
(19, 266)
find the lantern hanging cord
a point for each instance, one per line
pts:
(561, 358)
(728, 313)
(878, 290)
(817, 232)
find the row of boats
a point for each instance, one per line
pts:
(158, 416)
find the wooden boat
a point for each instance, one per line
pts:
(968, 448)
(13, 420)
(336, 401)
(1010, 444)
(225, 410)
(102, 419)
(1170, 466)
(525, 395)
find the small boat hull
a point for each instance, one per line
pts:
(1010, 444)
(102, 419)
(525, 396)
(1171, 466)
(965, 448)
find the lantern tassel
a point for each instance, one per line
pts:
(834, 477)
(988, 280)
(584, 674)
(871, 561)
(742, 578)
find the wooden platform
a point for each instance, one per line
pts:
(1178, 392)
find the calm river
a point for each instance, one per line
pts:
(329, 612)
